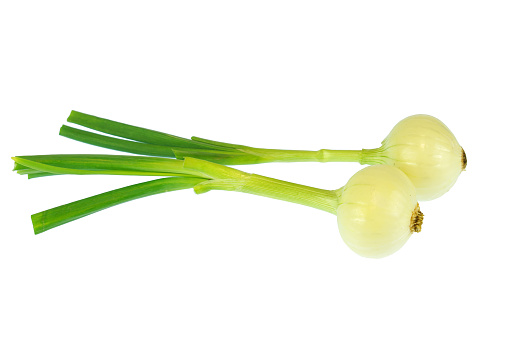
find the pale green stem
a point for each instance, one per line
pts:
(324, 155)
(229, 179)
(365, 156)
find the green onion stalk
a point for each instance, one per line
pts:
(420, 145)
(376, 210)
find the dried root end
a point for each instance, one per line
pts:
(416, 219)
(463, 160)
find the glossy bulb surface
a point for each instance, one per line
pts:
(427, 152)
(377, 211)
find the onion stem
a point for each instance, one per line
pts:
(101, 164)
(325, 200)
(133, 132)
(154, 143)
(204, 175)
(60, 215)
(116, 143)
(239, 181)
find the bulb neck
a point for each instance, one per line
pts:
(371, 156)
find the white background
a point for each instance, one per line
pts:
(295, 74)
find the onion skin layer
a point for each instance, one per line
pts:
(426, 151)
(376, 212)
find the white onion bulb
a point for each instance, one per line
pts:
(378, 211)
(426, 150)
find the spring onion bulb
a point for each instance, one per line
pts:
(376, 210)
(420, 145)
(426, 150)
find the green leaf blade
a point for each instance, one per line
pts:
(60, 215)
(134, 133)
(116, 143)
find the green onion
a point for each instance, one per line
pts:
(420, 145)
(376, 210)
